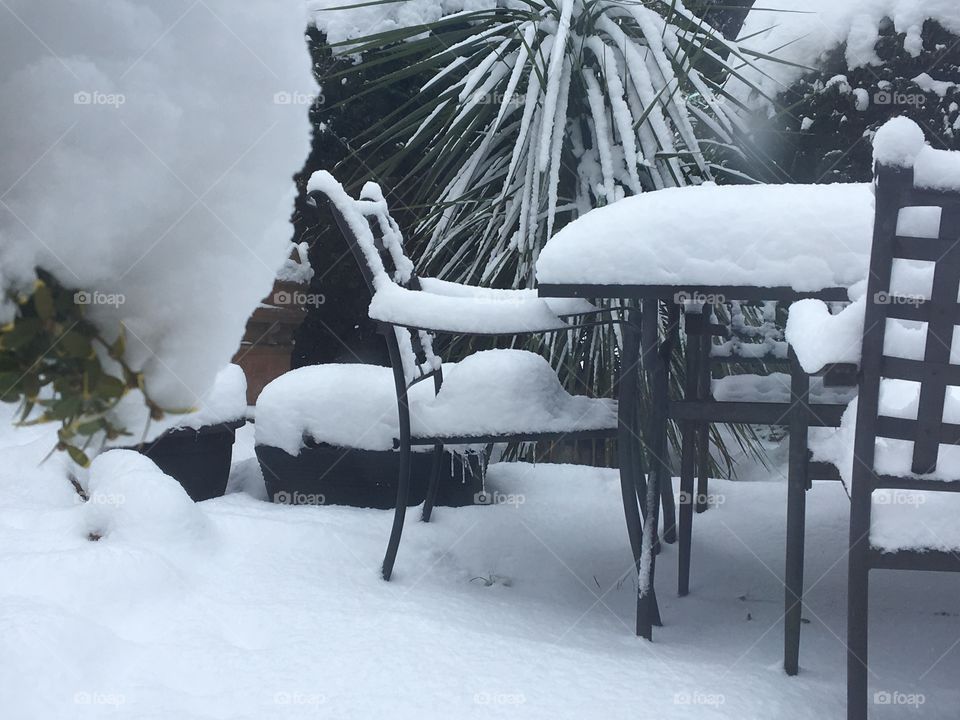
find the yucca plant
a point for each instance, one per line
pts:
(534, 112)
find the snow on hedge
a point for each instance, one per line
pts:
(148, 155)
(340, 24)
(800, 32)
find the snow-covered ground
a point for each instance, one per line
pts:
(235, 608)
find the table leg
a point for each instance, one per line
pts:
(796, 515)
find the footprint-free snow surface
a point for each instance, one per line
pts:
(236, 608)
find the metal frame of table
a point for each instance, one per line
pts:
(655, 351)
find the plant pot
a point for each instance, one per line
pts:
(198, 459)
(328, 475)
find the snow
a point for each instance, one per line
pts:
(798, 33)
(507, 391)
(149, 150)
(489, 392)
(360, 19)
(439, 305)
(775, 387)
(820, 338)
(343, 405)
(898, 142)
(224, 402)
(807, 237)
(503, 610)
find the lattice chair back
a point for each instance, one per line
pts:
(375, 240)
(899, 255)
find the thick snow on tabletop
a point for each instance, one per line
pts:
(799, 32)
(149, 149)
(808, 237)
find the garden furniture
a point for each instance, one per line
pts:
(896, 446)
(491, 396)
(682, 253)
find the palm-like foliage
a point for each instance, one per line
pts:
(534, 112)
(537, 112)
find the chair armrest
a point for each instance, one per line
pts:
(460, 312)
(562, 307)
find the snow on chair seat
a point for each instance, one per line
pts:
(775, 387)
(516, 392)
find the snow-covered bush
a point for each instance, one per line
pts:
(873, 60)
(148, 155)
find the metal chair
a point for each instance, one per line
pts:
(934, 375)
(410, 310)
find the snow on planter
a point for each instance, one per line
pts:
(807, 237)
(224, 402)
(489, 392)
(149, 165)
(132, 500)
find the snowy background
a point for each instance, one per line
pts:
(149, 149)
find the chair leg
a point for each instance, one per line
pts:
(686, 506)
(857, 632)
(796, 516)
(669, 512)
(793, 582)
(703, 430)
(434, 483)
(400, 513)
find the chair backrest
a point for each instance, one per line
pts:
(897, 254)
(376, 242)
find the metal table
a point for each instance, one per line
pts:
(651, 356)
